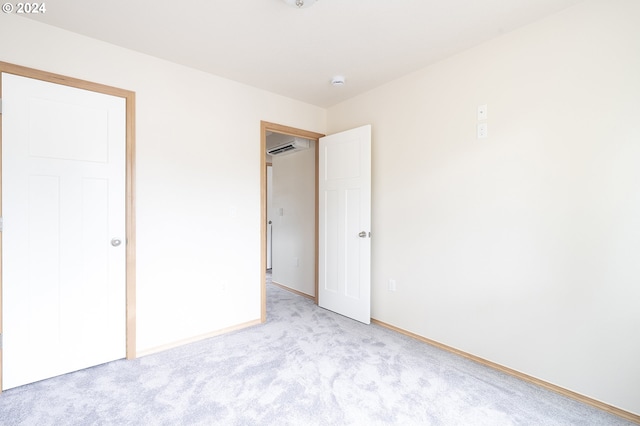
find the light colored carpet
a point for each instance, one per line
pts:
(305, 366)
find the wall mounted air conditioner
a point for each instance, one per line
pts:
(294, 145)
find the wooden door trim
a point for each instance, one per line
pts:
(130, 197)
(265, 127)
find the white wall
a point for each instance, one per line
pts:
(522, 248)
(294, 232)
(198, 177)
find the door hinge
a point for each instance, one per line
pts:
(0, 105)
(1, 223)
(0, 341)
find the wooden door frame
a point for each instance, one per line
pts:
(130, 223)
(265, 127)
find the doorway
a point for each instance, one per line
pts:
(267, 128)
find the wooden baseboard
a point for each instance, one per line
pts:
(197, 338)
(562, 391)
(299, 293)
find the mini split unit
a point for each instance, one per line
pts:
(294, 145)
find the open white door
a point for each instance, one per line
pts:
(345, 223)
(63, 257)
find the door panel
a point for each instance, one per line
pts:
(345, 212)
(329, 246)
(353, 284)
(72, 127)
(63, 196)
(269, 217)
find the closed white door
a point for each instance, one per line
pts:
(269, 216)
(63, 202)
(345, 223)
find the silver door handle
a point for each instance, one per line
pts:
(115, 242)
(362, 234)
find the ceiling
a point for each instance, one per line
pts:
(296, 52)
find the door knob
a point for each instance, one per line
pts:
(362, 234)
(115, 242)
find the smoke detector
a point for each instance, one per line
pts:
(338, 81)
(300, 4)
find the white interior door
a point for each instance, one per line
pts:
(63, 200)
(269, 216)
(345, 223)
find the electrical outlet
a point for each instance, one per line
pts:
(483, 130)
(392, 285)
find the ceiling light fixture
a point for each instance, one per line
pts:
(300, 4)
(338, 81)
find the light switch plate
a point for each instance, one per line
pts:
(482, 112)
